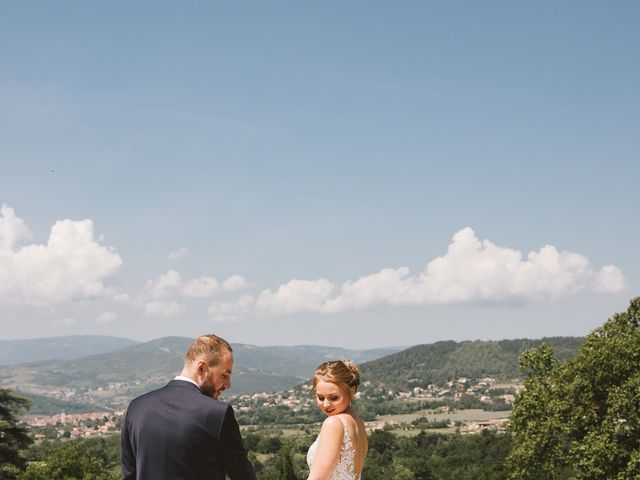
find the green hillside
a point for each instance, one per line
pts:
(111, 380)
(43, 405)
(442, 361)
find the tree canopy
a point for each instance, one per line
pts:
(581, 419)
(13, 436)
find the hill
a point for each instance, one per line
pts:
(442, 361)
(110, 380)
(61, 348)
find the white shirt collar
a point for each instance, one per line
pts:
(187, 379)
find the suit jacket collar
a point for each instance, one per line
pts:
(183, 384)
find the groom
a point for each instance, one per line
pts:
(182, 430)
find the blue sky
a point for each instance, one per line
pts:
(321, 158)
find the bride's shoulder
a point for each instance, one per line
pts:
(340, 421)
(332, 428)
(333, 421)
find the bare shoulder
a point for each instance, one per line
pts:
(332, 423)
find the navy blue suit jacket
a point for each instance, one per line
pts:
(177, 433)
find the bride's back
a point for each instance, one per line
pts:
(359, 440)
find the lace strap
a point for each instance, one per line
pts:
(346, 429)
(346, 467)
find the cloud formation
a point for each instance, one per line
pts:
(107, 317)
(201, 287)
(231, 311)
(178, 254)
(71, 265)
(472, 271)
(75, 265)
(165, 285)
(163, 309)
(162, 295)
(234, 283)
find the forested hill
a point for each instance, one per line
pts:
(112, 379)
(441, 361)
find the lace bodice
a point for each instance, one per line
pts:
(345, 469)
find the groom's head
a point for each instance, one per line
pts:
(209, 361)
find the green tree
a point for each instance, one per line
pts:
(581, 419)
(13, 436)
(69, 461)
(281, 466)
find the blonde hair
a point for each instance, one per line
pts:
(208, 347)
(343, 373)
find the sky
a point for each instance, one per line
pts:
(354, 174)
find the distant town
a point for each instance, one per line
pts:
(498, 396)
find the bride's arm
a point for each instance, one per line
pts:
(328, 451)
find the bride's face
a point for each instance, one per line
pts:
(331, 399)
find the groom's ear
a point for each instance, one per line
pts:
(200, 366)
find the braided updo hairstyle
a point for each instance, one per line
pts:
(343, 373)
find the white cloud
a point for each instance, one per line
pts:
(610, 280)
(472, 271)
(234, 283)
(121, 297)
(178, 254)
(165, 285)
(163, 309)
(296, 296)
(70, 266)
(171, 285)
(107, 317)
(231, 311)
(201, 287)
(65, 322)
(12, 228)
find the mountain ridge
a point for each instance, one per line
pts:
(111, 379)
(442, 361)
(66, 347)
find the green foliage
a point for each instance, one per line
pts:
(42, 405)
(581, 419)
(74, 460)
(433, 456)
(426, 456)
(287, 463)
(13, 436)
(279, 415)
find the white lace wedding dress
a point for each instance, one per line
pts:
(346, 469)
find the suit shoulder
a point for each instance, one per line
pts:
(146, 396)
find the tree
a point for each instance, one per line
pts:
(281, 466)
(581, 419)
(69, 461)
(13, 436)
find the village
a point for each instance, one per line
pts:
(500, 396)
(485, 390)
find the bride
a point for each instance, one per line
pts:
(341, 447)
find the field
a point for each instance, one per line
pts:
(400, 423)
(464, 416)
